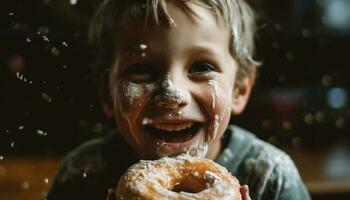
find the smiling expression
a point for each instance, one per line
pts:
(172, 88)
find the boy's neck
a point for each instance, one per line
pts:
(214, 149)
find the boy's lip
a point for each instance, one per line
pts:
(170, 124)
(174, 146)
(175, 116)
(171, 119)
(173, 126)
(179, 147)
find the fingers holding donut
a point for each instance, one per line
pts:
(244, 189)
(111, 194)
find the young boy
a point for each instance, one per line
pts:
(172, 72)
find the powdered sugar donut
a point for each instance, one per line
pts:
(180, 178)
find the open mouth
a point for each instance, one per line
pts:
(171, 133)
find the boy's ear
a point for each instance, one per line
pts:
(108, 109)
(241, 93)
(106, 100)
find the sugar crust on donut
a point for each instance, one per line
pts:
(179, 178)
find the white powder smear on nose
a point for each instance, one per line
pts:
(171, 92)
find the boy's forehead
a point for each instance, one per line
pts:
(131, 42)
(154, 19)
(133, 33)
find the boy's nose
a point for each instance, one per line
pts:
(171, 97)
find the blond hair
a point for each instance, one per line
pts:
(237, 16)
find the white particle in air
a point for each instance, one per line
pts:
(143, 46)
(73, 2)
(290, 56)
(46, 97)
(46, 39)
(340, 123)
(278, 27)
(306, 33)
(326, 80)
(319, 116)
(55, 51)
(41, 133)
(309, 118)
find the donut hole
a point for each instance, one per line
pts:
(190, 184)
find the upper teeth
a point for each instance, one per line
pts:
(173, 127)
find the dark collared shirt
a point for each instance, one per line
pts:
(91, 169)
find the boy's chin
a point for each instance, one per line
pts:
(195, 146)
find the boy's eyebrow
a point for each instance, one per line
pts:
(204, 50)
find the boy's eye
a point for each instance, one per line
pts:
(139, 73)
(201, 68)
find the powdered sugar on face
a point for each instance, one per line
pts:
(216, 125)
(132, 91)
(147, 121)
(214, 84)
(199, 151)
(170, 92)
(134, 96)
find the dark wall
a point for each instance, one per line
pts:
(52, 105)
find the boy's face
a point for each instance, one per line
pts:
(173, 88)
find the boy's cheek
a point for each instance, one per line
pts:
(129, 96)
(218, 106)
(222, 111)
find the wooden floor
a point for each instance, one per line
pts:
(26, 178)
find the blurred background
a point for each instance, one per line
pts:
(49, 103)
